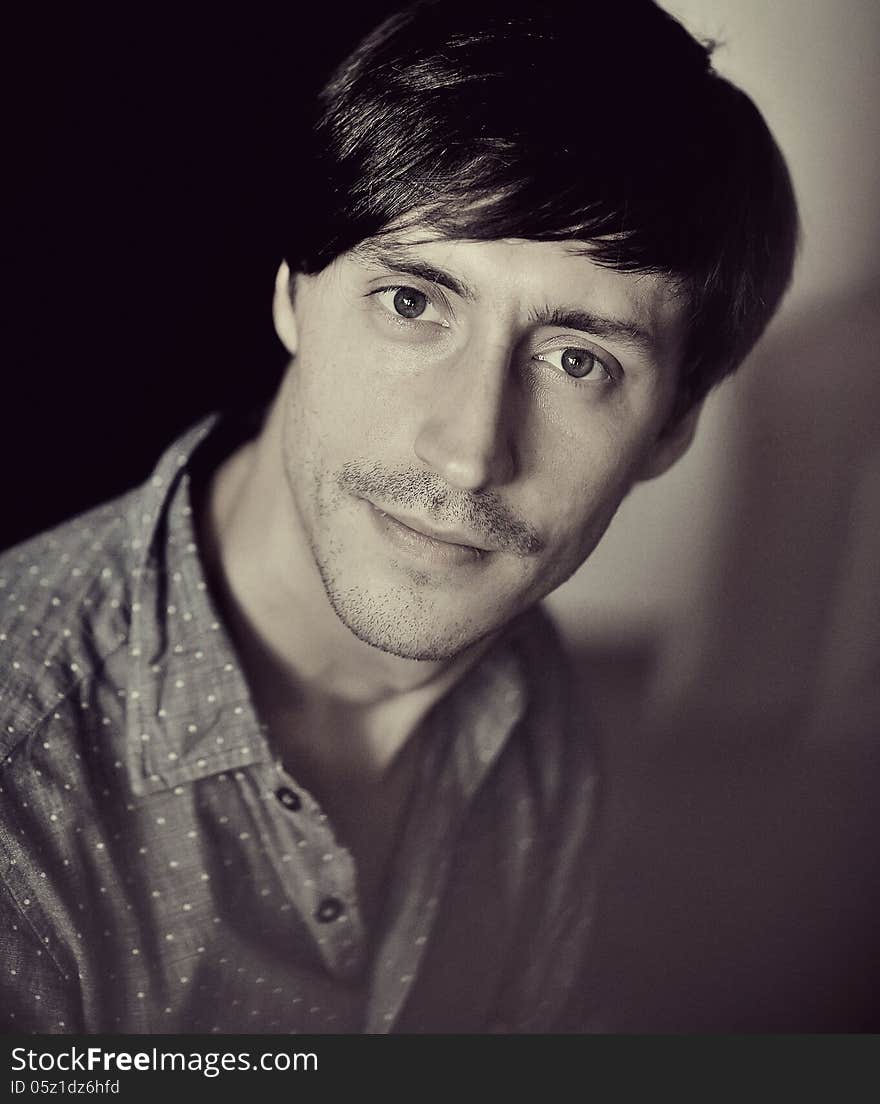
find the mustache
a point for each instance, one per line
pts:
(422, 492)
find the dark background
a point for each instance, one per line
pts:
(149, 167)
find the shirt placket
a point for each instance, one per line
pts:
(317, 873)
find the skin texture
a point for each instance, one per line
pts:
(454, 411)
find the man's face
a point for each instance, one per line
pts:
(460, 423)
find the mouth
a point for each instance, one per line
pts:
(421, 538)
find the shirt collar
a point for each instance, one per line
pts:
(189, 709)
(190, 713)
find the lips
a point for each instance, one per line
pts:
(444, 536)
(424, 542)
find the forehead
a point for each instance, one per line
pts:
(532, 280)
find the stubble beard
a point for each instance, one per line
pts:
(396, 622)
(400, 621)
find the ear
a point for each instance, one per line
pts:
(671, 445)
(283, 314)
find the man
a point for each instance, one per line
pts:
(287, 741)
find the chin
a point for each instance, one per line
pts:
(403, 625)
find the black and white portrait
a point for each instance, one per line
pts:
(442, 521)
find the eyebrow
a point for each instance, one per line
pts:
(399, 260)
(597, 325)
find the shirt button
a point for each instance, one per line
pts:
(329, 909)
(288, 798)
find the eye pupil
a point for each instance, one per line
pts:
(410, 303)
(577, 362)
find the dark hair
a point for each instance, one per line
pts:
(599, 121)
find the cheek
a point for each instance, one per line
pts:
(580, 481)
(361, 401)
(573, 459)
(331, 396)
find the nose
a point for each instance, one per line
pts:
(467, 432)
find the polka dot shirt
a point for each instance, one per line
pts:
(162, 873)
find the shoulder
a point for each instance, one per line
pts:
(67, 596)
(65, 599)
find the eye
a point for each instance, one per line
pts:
(578, 363)
(411, 304)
